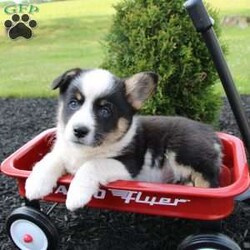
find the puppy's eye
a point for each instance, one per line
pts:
(74, 104)
(104, 111)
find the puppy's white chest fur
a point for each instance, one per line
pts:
(74, 156)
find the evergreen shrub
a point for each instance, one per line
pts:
(157, 35)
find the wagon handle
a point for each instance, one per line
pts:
(204, 25)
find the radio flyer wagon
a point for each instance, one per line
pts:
(29, 228)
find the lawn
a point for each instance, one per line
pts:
(238, 56)
(232, 7)
(237, 41)
(69, 34)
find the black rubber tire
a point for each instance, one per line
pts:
(38, 218)
(208, 241)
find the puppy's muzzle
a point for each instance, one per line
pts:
(80, 131)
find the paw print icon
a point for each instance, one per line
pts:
(20, 26)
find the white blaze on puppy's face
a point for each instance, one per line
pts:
(82, 118)
(96, 83)
(92, 85)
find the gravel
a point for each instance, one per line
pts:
(94, 229)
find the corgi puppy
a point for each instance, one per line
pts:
(100, 139)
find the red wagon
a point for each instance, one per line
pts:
(140, 197)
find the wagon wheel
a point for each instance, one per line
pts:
(208, 242)
(30, 229)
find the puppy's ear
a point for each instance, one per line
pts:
(63, 80)
(140, 87)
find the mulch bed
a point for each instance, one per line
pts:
(93, 229)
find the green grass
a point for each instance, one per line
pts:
(231, 7)
(239, 56)
(237, 42)
(69, 34)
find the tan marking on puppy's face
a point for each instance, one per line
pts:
(118, 133)
(78, 96)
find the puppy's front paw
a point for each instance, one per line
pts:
(79, 201)
(78, 196)
(37, 186)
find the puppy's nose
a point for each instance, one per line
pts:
(80, 132)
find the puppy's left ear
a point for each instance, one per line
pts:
(63, 80)
(140, 87)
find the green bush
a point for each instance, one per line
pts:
(157, 35)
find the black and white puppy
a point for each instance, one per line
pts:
(100, 139)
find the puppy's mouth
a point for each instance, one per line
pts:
(96, 142)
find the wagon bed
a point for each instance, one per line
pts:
(144, 197)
